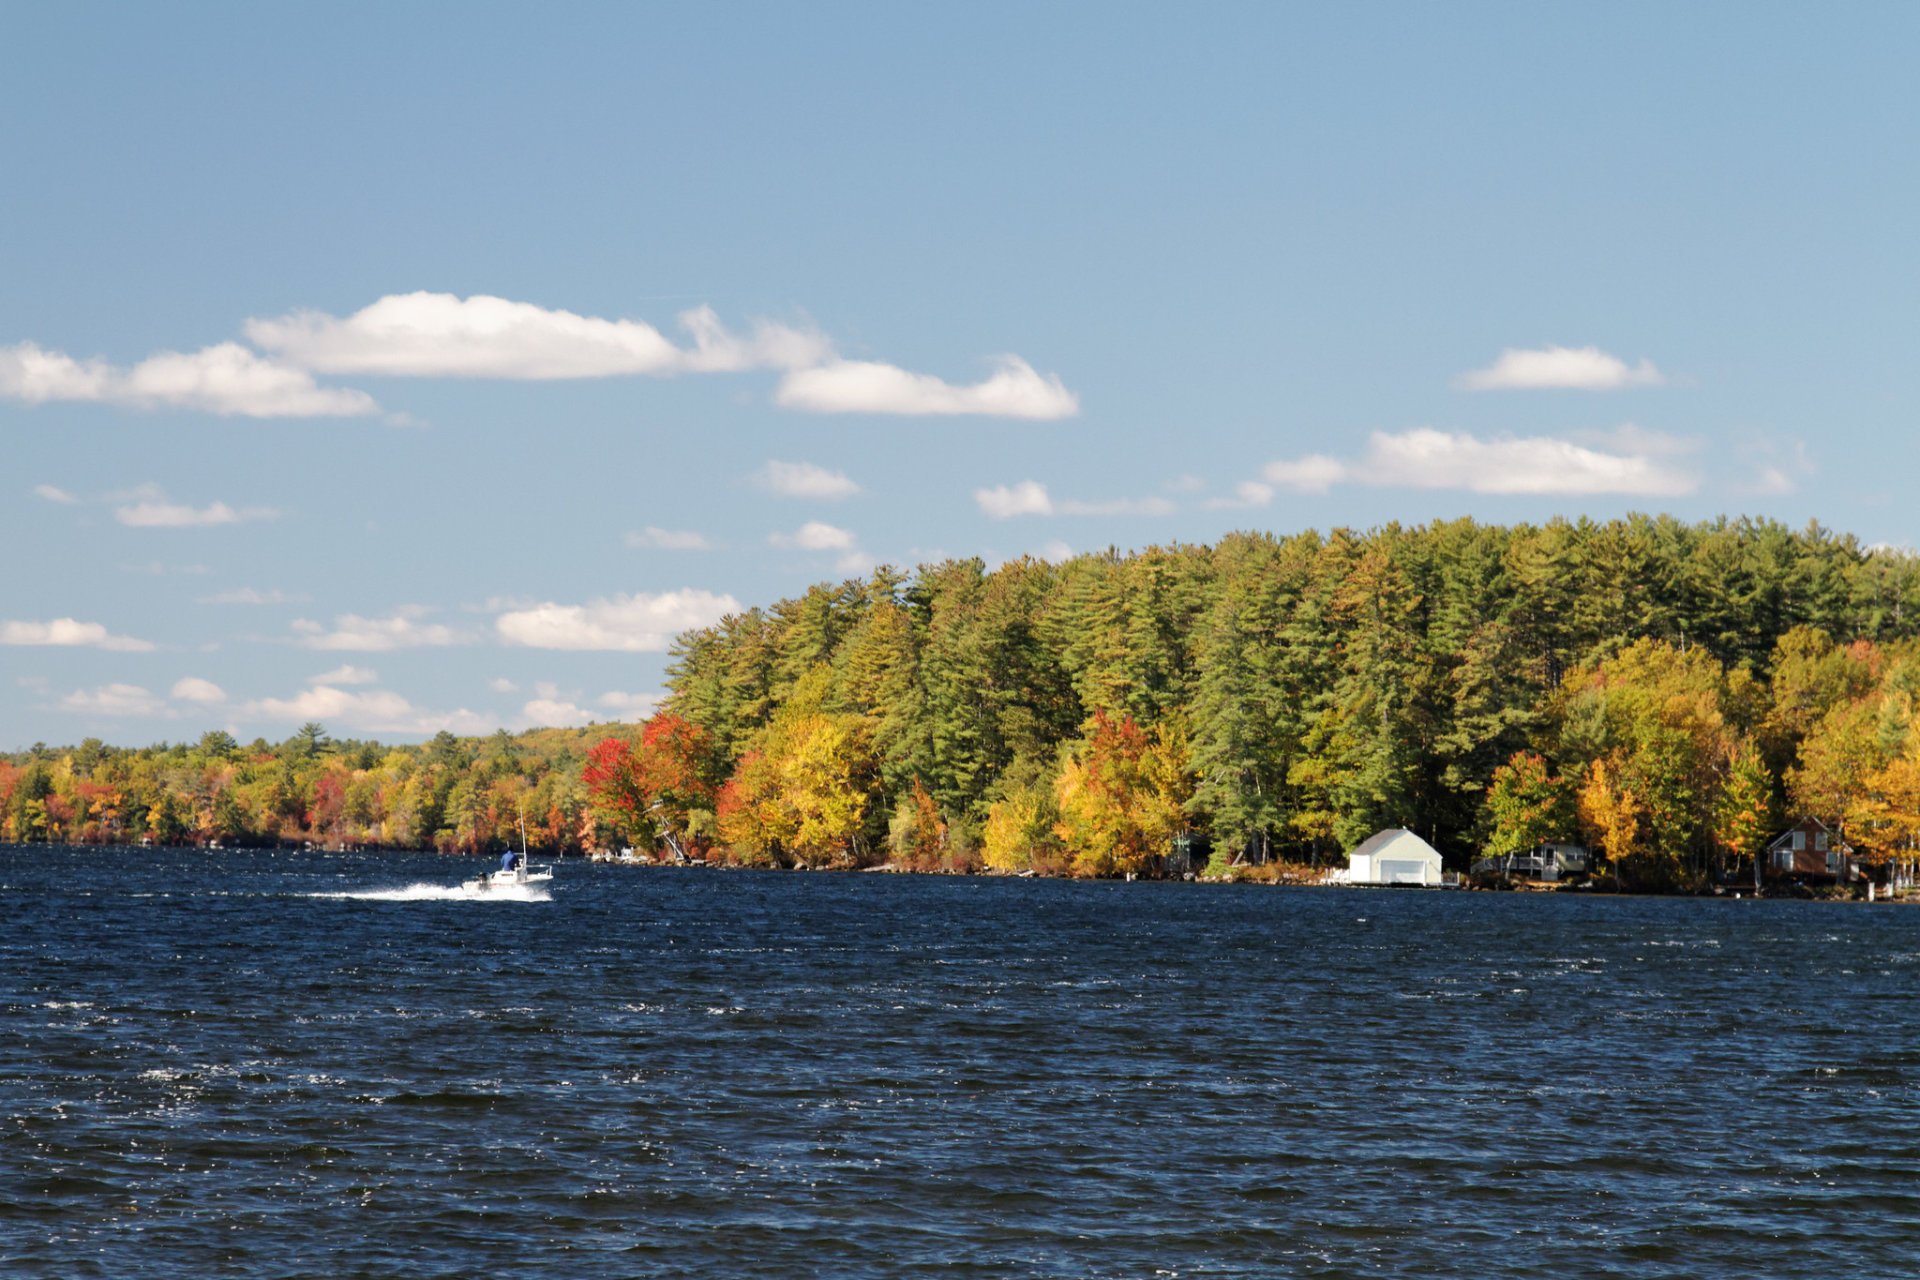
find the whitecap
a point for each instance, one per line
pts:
(426, 891)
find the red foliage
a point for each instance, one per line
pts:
(660, 781)
(329, 802)
(675, 757)
(612, 777)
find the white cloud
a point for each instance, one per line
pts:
(401, 630)
(439, 334)
(630, 706)
(1248, 493)
(550, 712)
(113, 700)
(1003, 502)
(500, 684)
(170, 515)
(348, 674)
(226, 379)
(247, 595)
(194, 689)
(54, 494)
(1030, 498)
(1428, 459)
(771, 346)
(1013, 390)
(1055, 552)
(66, 632)
(1572, 368)
(804, 480)
(638, 623)
(1315, 473)
(814, 535)
(657, 539)
(369, 710)
(1776, 469)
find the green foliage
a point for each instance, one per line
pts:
(1527, 806)
(1335, 684)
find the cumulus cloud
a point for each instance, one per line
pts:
(401, 630)
(348, 674)
(1248, 493)
(554, 713)
(814, 535)
(639, 623)
(1003, 501)
(172, 515)
(630, 706)
(1315, 473)
(1425, 458)
(364, 710)
(113, 700)
(1030, 498)
(425, 334)
(1775, 469)
(248, 595)
(68, 633)
(225, 379)
(804, 480)
(549, 707)
(1569, 368)
(54, 494)
(1013, 390)
(500, 684)
(194, 689)
(654, 538)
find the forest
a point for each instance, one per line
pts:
(1667, 693)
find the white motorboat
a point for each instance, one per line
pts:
(515, 871)
(520, 873)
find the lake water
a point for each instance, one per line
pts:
(248, 1064)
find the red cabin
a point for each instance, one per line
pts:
(1810, 850)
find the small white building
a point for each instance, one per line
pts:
(1394, 856)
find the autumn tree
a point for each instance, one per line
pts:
(1527, 805)
(617, 791)
(1121, 797)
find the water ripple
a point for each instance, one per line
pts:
(245, 1063)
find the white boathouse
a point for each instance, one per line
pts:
(1394, 856)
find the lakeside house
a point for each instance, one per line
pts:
(1549, 863)
(1810, 850)
(1394, 856)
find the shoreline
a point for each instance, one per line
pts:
(1745, 894)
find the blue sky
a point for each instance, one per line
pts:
(423, 366)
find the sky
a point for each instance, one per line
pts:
(422, 367)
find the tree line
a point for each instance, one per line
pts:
(1668, 693)
(450, 794)
(1664, 691)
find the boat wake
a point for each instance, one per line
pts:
(427, 891)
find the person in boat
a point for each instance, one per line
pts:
(510, 860)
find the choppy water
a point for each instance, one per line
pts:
(244, 1064)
